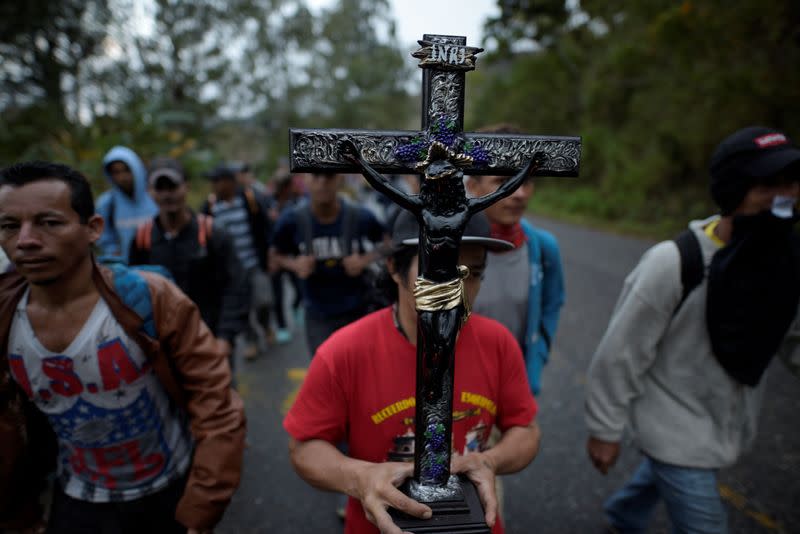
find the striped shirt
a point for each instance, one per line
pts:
(233, 216)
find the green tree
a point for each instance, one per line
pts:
(651, 87)
(527, 22)
(356, 73)
(43, 45)
(342, 68)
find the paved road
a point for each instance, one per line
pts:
(560, 492)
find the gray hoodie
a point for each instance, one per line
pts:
(657, 374)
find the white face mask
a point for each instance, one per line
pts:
(783, 206)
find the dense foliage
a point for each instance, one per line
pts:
(202, 80)
(650, 86)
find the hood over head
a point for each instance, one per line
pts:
(134, 163)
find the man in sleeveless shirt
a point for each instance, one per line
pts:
(107, 374)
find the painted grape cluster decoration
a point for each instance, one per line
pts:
(477, 153)
(442, 130)
(436, 447)
(416, 150)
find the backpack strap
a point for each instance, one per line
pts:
(692, 267)
(144, 235)
(204, 226)
(349, 227)
(305, 223)
(132, 289)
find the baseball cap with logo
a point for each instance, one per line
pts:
(166, 169)
(746, 158)
(478, 231)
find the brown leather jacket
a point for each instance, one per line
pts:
(191, 366)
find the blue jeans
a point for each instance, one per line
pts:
(691, 495)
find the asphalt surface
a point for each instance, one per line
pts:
(560, 492)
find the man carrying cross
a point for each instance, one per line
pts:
(439, 308)
(360, 388)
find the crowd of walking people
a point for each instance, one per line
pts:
(121, 317)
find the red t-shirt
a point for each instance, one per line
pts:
(361, 383)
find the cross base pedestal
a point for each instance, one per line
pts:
(460, 514)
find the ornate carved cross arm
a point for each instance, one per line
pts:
(349, 151)
(510, 185)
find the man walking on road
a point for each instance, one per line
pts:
(534, 263)
(244, 213)
(328, 243)
(197, 251)
(360, 388)
(134, 389)
(285, 200)
(697, 323)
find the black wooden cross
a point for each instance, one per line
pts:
(444, 153)
(445, 59)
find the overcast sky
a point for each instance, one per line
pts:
(447, 17)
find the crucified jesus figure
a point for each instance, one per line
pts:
(442, 207)
(442, 210)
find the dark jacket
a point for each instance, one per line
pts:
(190, 364)
(211, 274)
(257, 206)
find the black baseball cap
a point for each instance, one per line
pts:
(478, 231)
(745, 158)
(166, 168)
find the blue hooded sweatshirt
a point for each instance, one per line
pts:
(123, 214)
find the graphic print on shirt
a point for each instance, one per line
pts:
(115, 366)
(328, 248)
(115, 447)
(473, 423)
(119, 436)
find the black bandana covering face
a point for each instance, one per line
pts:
(753, 293)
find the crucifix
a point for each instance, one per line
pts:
(445, 60)
(443, 153)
